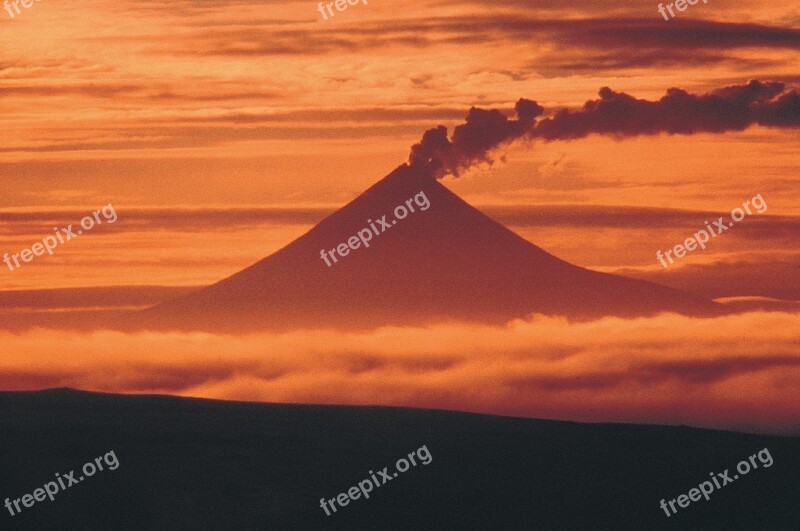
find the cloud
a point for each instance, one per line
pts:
(730, 372)
(91, 297)
(177, 218)
(209, 136)
(764, 276)
(633, 34)
(632, 217)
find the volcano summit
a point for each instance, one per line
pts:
(447, 263)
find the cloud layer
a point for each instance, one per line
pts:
(670, 369)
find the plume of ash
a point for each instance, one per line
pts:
(472, 141)
(616, 114)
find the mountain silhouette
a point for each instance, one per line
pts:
(449, 262)
(188, 463)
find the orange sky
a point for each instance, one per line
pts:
(259, 104)
(222, 132)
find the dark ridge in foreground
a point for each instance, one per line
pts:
(202, 464)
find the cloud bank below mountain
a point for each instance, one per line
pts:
(669, 369)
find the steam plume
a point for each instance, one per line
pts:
(617, 114)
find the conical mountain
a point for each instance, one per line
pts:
(446, 261)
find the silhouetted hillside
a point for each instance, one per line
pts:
(200, 464)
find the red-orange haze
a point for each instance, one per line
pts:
(222, 133)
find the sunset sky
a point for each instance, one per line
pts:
(220, 132)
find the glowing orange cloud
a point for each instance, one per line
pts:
(707, 372)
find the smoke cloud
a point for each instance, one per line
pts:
(616, 114)
(474, 140)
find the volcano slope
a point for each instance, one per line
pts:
(449, 262)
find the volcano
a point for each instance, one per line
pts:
(447, 263)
